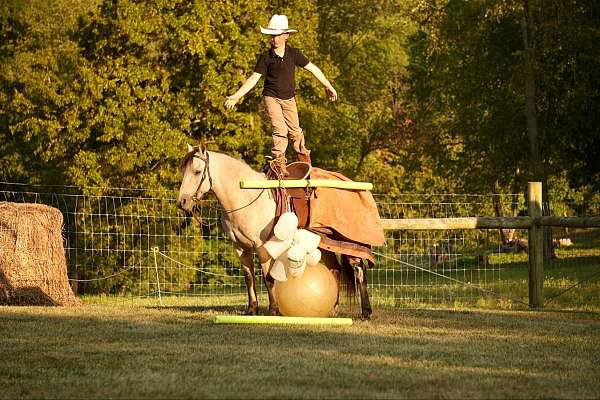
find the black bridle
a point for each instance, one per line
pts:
(205, 173)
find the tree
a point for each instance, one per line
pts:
(481, 85)
(39, 108)
(368, 133)
(431, 91)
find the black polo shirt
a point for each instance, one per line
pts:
(279, 72)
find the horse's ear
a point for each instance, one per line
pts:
(202, 147)
(190, 148)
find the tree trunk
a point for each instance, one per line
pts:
(548, 247)
(530, 111)
(506, 235)
(535, 153)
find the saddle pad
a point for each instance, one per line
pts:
(351, 213)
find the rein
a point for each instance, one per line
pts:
(205, 174)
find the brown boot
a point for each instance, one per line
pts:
(304, 157)
(278, 167)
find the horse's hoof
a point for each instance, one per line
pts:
(365, 317)
(274, 312)
(252, 311)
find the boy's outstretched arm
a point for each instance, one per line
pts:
(246, 87)
(331, 93)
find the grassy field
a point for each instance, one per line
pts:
(136, 349)
(487, 346)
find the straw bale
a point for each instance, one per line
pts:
(33, 266)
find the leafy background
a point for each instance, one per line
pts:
(107, 93)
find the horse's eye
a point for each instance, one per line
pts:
(197, 172)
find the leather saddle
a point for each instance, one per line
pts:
(299, 198)
(293, 199)
(301, 201)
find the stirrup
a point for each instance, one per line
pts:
(267, 165)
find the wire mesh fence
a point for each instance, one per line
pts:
(137, 243)
(441, 266)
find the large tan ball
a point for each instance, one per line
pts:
(312, 295)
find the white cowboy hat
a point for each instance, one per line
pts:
(278, 24)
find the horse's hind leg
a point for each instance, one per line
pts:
(248, 267)
(361, 276)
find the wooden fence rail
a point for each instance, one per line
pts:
(429, 224)
(534, 222)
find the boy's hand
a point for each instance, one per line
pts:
(331, 93)
(231, 102)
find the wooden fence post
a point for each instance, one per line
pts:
(536, 245)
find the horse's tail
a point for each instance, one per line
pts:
(348, 280)
(344, 273)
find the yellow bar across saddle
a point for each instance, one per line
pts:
(302, 183)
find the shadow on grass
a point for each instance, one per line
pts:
(586, 238)
(234, 310)
(175, 351)
(570, 261)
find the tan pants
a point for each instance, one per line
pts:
(284, 118)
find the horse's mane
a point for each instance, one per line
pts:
(186, 160)
(190, 156)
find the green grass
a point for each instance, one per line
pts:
(452, 346)
(135, 349)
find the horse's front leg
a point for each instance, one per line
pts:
(248, 268)
(266, 263)
(270, 284)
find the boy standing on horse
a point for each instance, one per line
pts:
(278, 65)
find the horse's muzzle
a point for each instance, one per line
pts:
(185, 203)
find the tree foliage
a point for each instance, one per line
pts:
(107, 93)
(468, 73)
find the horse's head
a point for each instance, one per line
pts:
(196, 177)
